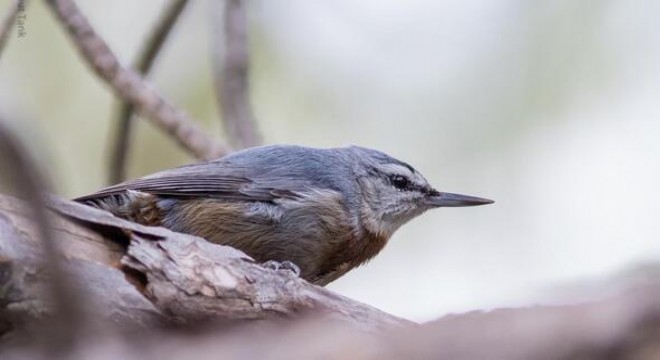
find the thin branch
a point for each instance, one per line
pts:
(130, 87)
(23, 174)
(231, 65)
(145, 60)
(159, 34)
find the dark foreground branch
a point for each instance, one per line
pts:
(18, 169)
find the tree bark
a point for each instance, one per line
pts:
(145, 275)
(156, 285)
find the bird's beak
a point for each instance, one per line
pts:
(443, 199)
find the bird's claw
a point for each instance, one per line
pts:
(282, 265)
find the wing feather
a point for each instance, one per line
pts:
(215, 179)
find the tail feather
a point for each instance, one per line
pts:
(132, 205)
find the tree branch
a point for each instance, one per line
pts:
(26, 179)
(130, 87)
(177, 279)
(189, 279)
(192, 278)
(150, 50)
(231, 66)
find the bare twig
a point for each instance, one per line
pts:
(8, 22)
(129, 86)
(145, 60)
(159, 34)
(231, 64)
(30, 185)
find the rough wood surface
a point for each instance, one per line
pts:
(91, 261)
(170, 277)
(147, 278)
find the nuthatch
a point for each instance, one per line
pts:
(324, 210)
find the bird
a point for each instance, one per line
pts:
(318, 212)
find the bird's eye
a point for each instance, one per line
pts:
(399, 182)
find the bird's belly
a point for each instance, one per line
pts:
(316, 241)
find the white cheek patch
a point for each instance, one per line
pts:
(396, 169)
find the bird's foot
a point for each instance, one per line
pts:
(282, 265)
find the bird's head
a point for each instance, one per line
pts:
(393, 192)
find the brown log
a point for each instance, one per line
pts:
(143, 277)
(171, 277)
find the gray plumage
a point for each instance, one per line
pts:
(326, 210)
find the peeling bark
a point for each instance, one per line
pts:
(157, 285)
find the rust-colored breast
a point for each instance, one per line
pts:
(356, 251)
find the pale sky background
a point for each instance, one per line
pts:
(552, 108)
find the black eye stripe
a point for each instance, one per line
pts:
(396, 178)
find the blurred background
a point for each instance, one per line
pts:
(552, 108)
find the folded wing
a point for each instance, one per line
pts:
(209, 179)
